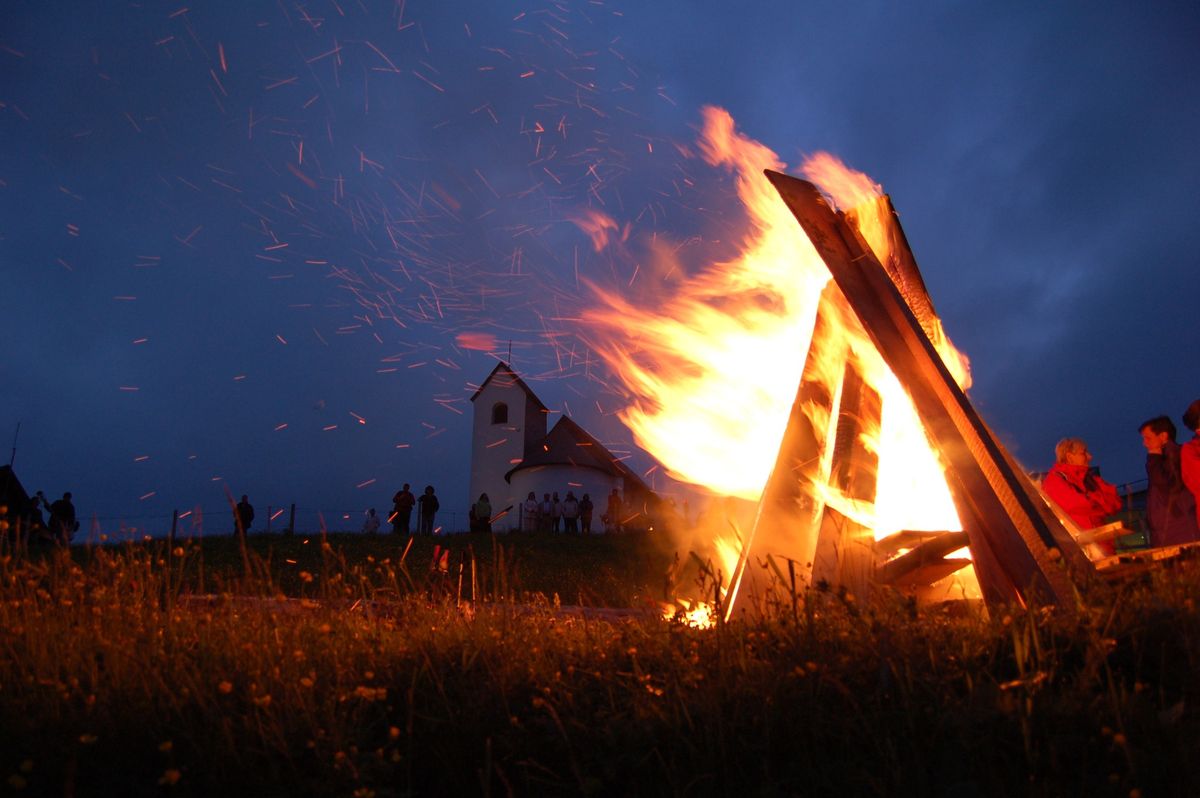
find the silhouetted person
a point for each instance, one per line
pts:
(545, 513)
(62, 520)
(35, 524)
(612, 513)
(244, 516)
(556, 519)
(427, 507)
(1170, 506)
(586, 508)
(402, 507)
(481, 512)
(570, 514)
(371, 525)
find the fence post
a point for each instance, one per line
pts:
(269, 508)
(292, 520)
(174, 525)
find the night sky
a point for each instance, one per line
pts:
(272, 248)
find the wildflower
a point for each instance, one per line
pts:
(306, 682)
(88, 739)
(169, 778)
(393, 733)
(166, 746)
(178, 551)
(225, 688)
(263, 701)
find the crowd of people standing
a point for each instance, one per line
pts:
(570, 515)
(1173, 476)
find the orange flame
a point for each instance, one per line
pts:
(712, 370)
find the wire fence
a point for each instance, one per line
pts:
(278, 519)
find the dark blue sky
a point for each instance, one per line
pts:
(269, 214)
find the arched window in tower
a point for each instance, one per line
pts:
(499, 413)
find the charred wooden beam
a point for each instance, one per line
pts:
(1018, 550)
(899, 262)
(929, 553)
(907, 539)
(845, 548)
(790, 508)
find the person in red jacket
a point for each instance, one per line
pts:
(1189, 454)
(1078, 490)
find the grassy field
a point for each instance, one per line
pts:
(379, 677)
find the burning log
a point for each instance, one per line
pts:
(790, 507)
(925, 563)
(1017, 544)
(845, 548)
(900, 264)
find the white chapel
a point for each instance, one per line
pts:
(512, 455)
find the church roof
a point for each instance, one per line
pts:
(11, 489)
(569, 444)
(506, 376)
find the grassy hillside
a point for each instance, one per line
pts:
(114, 680)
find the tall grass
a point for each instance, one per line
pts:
(143, 671)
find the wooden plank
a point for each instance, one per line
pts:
(790, 508)
(928, 573)
(1101, 533)
(929, 552)
(1016, 546)
(899, 262)
(906, 539)
(845, 553)
(1156, 554)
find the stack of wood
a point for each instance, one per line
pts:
(1021, 550)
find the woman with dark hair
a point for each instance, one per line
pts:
(1170, 506)
(1189, 454)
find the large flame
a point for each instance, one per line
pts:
(712, 371)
